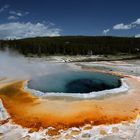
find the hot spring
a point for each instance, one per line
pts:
(74, 82)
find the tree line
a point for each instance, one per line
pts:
(73, 45)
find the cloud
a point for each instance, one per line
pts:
(137, 21)
(138, 35)
(122, 26)
(12, 17)
(20, 14)
(106, 31)
(26, 13)
(3, 8)
(17, 30)
(16, 15)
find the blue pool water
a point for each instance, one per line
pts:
(75, 82)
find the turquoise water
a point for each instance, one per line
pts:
(75, 82)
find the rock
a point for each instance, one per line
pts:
(115, 129)
(26, 138)
(124, 136)
(102, 132)
(110, 138)
(75, 132)
(126, 123)
(86, 135)
(57, 137)
(136, 134)
(87, 127)
(52, 132)
(68, 136)
(1, 135)
(33, 130)
(12, 136)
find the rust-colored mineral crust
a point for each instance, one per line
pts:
(35, 113)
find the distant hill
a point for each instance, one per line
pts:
(73, 45)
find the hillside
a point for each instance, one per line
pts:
(73, 45)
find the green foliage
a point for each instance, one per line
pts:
(73, 45)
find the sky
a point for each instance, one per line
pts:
(31, 18)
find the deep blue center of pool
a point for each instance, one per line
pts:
(75, 82)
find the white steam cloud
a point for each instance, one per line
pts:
(106, 31)
(13, 65)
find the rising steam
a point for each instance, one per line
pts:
(14, 65)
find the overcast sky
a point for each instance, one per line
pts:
(30, 18)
